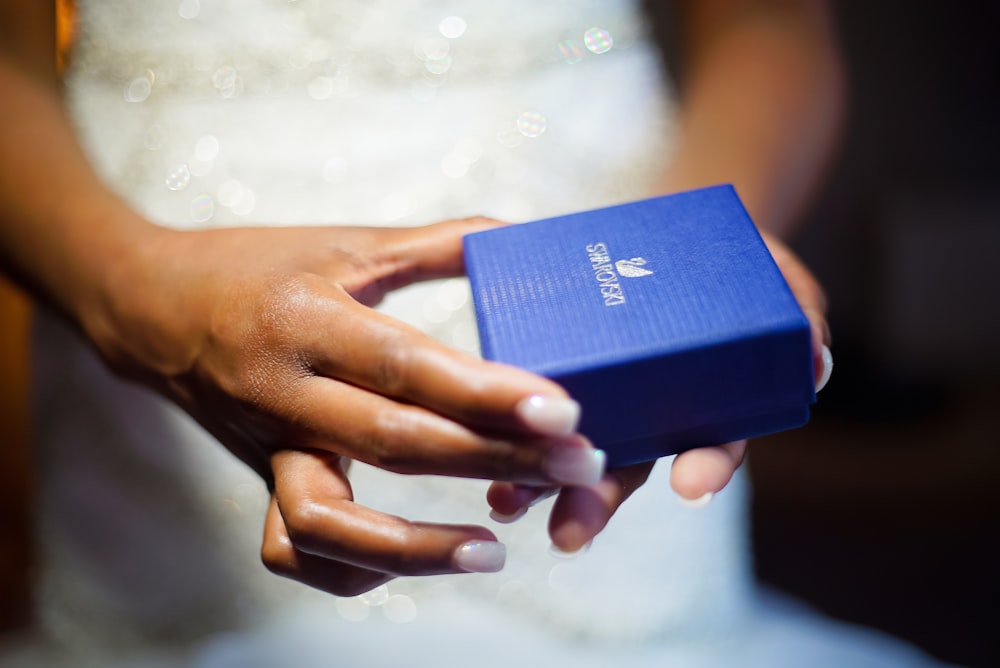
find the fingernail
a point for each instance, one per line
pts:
(552, 416)
(547, 494)
(697, 503)
(542, 493)
(480, 556)
(563, 554)
(827, 370)
(578, 466)
(508, 519)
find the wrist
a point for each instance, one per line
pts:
(116, 304)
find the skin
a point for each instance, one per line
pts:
(267, 335)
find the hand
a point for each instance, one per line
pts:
(580, 513)
(267, 338)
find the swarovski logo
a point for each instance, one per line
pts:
(632, 268)
(607, 277)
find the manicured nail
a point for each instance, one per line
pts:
(497, 516)
(578, 466)
(480, 556)
(552, 416)
(563, 554)
(697, 503)
(540, 494)
(824, 375)
(547, 493)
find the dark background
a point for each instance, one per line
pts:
(883, 510)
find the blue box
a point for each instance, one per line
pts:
(666, 318)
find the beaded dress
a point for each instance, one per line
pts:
(226, 112)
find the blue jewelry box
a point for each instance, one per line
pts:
(666, 318)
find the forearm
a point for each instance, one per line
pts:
(762, 98)
(62, 232)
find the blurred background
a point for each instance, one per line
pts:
(883, 509)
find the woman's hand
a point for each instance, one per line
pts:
(580, 513)
(266, 337)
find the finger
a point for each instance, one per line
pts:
(812, 301)
(580, 513)
(315, 502)
(353, 343)
(282, 558)
(510, 501)
(410, 439)
(401, 256)
(385, 259)
(704, 471)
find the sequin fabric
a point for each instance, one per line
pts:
(270, 112)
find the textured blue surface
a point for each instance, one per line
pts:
(666, 318)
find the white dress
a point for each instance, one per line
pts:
(226, 112)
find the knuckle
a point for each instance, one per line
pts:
(278, 555)
(393, 365)
(253, 336)
(305, 522)
(388, 442)
(287, 302)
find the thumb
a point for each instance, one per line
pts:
(407, 255)
(435, 251)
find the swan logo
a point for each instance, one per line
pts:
(606, 272)
(633, 268)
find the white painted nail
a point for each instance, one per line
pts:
(552, 416)
(547, 494)
(544, 493)
(562, 554)
(827, 371)
(701, 501)
(480, 556)
(508, 519)
(577, 466)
